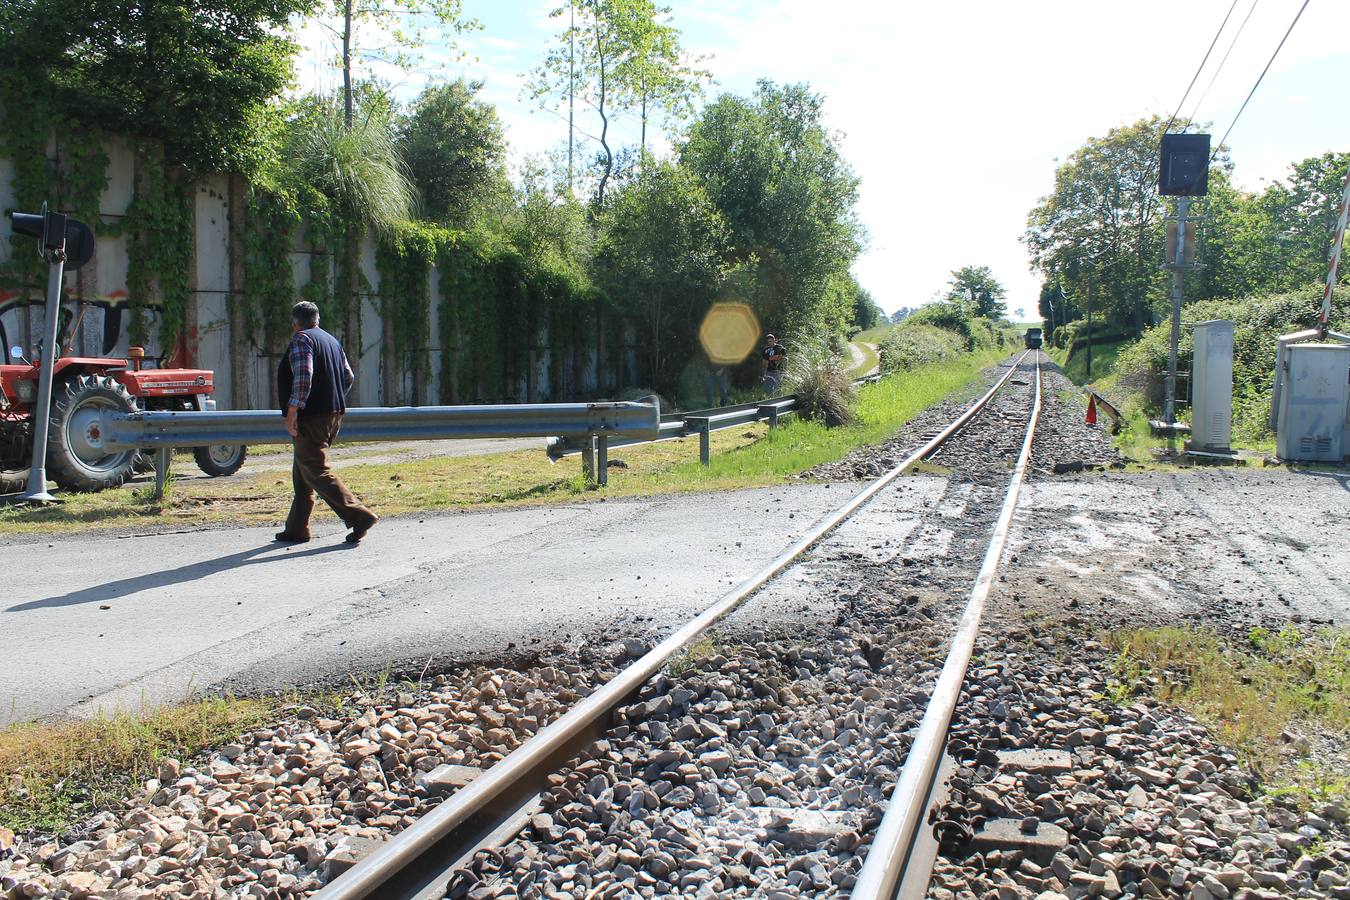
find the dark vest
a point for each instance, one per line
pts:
(325, 389)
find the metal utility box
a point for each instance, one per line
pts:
(1313, 403)
(1212, 386)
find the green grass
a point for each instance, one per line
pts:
(870, 360)
(875, 334)
(752, 456)
(1103, 362)
(1252, 695)
(54, 775)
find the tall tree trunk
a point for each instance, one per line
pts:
(236, 303)
(642, 146)
(604, 122)
(347, 64)
(571, 83)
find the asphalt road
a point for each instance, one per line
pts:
(104, 622)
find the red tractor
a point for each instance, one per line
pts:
(83, 388)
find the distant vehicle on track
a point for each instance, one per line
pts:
(1033, 338)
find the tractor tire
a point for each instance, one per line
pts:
(142, 462)
(220, 459)
(13, 481)
(75, 457)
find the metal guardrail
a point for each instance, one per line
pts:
(700, 422)
(169, 430)
(165, 431)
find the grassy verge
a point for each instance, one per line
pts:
(1276, 701)
(1103, 362)
(52, 775)
(874, 335)
(753, 456)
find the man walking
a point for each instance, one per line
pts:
(775, 364)
(312, 382)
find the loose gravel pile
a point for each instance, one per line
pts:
(1151, 804)
(259, 817)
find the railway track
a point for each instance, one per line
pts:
(453, 848)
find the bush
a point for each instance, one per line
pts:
(948, 317)
(1258, 322)
(820, 378)
(916, 344)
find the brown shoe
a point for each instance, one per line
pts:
(287, 537)
(359, 531)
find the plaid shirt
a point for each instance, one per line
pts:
(301, 355)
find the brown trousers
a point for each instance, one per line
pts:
(310, 474)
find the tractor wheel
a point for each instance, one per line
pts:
(220, 459)
(12, 481)
(76, 459)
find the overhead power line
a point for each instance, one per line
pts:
(1220, 144)
(1200, 68)
(1196, 108)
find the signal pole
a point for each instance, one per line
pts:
(1170, 401)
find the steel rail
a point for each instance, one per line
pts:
(157, 430)
(401, 868)
(884, 868)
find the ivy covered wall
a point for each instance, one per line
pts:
(204, 272)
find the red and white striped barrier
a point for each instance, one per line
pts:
(1334, 271)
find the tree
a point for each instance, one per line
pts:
(403, 22)
(775, 173)
(866, 313)
(1100, 232)
(661, 253)
(656, 74)
(977, 286)
(614, 56)
(1278, 239)
(455, 150)
(357, 172)
(196, 78)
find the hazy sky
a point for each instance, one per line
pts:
(955, 113)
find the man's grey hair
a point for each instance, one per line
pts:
(305, 314)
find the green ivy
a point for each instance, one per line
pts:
(72, 183)
(269, 293)
(159, 231)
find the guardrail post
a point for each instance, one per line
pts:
(588, 459)
(705, 444)
(163, 457)
(602, 460)
(773, 417)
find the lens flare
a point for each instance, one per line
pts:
(729, 332)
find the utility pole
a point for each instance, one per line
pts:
(1170, 401)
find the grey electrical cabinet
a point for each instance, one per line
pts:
(1313, 403)
(1212, 386)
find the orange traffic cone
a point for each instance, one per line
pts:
(1091, 417)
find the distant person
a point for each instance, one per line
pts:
(774, 364)
(716, 377)
(312, 384)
